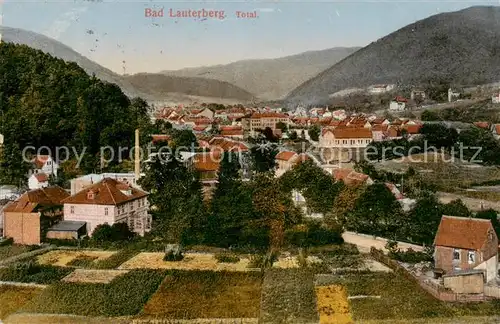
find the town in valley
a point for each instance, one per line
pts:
(347, 185)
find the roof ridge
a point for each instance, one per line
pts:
(109, 190)
(467, 218)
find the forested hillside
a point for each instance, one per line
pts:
(46, 101)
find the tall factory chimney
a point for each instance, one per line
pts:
(137, 152)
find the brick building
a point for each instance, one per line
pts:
(28, 218)
(464, 244)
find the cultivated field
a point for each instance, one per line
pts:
(63, 258)
(13, 250)
(12, 298)
(198, 261)
(93, 276)
(333, 306)
(191, 261)
(207, 294)
(443, 171)
(123, 296)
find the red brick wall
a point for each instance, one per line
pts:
(491, 248)
(444, 259)
(24, 228)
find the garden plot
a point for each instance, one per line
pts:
(191, 261)
(206, 295)
(288, 296)
(12, 298)
(93, 276)
(123, 296)
(64, 258)
(333, 306)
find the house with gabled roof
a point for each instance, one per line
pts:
(110, 201)
(464, 244)
(28, 218)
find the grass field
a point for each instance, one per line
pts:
(445, 175)
(13, 250)
(125, 295)
(207, 294)
(288, 296)
(401, 299)
(12, 298)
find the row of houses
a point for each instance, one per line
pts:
(53, 213)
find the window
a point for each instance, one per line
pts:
(456, 254)
(471, 257)
(106, 211)
(72, 209)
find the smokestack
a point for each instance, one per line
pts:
(137, 156)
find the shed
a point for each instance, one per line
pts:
(67, 230)
(465, 281)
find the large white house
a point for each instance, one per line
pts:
(345, 137)
(110, 201)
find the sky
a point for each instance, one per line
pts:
(118, 35)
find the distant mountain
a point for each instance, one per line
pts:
(270, 79)
(158, 84)
(156, 88)
(460, 47)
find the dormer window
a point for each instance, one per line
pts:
(91, 195)
(127, 192)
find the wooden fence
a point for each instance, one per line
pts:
(432, 288)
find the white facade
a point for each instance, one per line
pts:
(495, 99)
(491, 267)
(34, 181)
(397, 105)
(1, 139)
(328, 140)
(452, 95)
(85, 181)
(134, 213)
(49, 167)
(381, 88)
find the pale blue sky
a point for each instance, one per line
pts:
(154, 44)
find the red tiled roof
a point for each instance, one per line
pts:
(285, 155)
(400, 99)
(41, 177)
(204, 162)
(497, 129)
(485, 125)
(29, 201)
(40, 160)
(232, 132)
(351, 132)
(106, 192)
(268, 115)
(160, 138)
(463, 232)
(379, 128)
(349, 176)
(412, 129)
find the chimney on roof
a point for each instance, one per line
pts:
(137, 156)
(91, 194)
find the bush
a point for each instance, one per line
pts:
(31, 272)
(410, 256)
(7, 241)
(314, 235)
(173, 256)
(115, 260)
(263, 260)
(227, 258)
(82, 261)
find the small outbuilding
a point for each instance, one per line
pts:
(67, 230)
